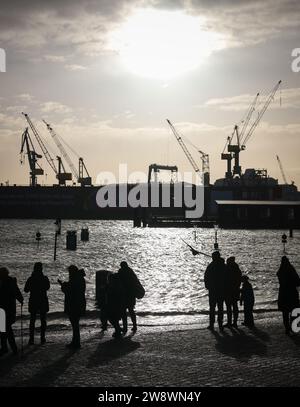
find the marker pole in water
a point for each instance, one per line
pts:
(284, 241)
(57, 224)
(38, 238)
(55, 245)
(22, 341)
(195, 234)
(216, 244)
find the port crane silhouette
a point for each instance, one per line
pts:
(204, 157)
(243, 136)
(32, 155)
(282, 171)
(79, 175)
(59, 171)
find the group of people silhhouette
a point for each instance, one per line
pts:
(223, 282)
(116, 295)
(226, 284)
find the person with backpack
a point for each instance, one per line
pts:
(133, 289)
(37, 285)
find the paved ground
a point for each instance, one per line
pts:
(161, 357)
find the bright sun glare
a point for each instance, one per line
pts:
(163, 44)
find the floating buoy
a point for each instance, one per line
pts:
(71, 240)
(85, 235)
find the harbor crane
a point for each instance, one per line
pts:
(79, 175)
(62, 176)
(41, 143)
(33, 156)
(204, 157)
(237, 147)
(282, 171)
(233, 150)
(156, 168)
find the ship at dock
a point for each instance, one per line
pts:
(242, 199)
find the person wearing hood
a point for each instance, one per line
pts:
(37, 285)
(9, 294)
(288, 296)
(75, 303)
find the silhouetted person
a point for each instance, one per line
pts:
(233, 276)
(37, 285)
(288, 297)
(9, 293)
(214, 282)
(116, 303)
(75, 303)
(129, 281)
(248, 299)
(102, 280)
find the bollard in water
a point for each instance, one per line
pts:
(291, 232)
(85, 235)
(284, 242)
(38, 238)
(71, 240)
(137, 222)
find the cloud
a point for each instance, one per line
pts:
(26, 97)
(84, 27)
(75, 67)
(55, 58)
(287, 98)
(16, 108)
(55, 107)
(250, 22)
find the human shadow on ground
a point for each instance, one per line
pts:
(259, 333)
(49, 372)
(295, 339)
(112, 349)
(237, 344)
(10, 361)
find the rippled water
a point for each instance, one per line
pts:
(173, 278)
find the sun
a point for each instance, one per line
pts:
(163, 44)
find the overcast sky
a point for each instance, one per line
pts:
(93, 70)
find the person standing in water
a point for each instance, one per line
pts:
(37, 285)
(75, 303)
(288, 296)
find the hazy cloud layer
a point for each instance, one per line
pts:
(83, 26)
(284, 99)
